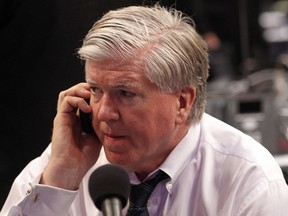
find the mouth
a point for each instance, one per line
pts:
(112, 137)
(115, 143)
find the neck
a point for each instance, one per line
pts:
(143, 172)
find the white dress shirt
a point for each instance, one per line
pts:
(215, 170)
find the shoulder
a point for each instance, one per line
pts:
(231, 146)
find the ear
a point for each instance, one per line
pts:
(186, 99)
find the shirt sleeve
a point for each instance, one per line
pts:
(27, 197)
(44, 200)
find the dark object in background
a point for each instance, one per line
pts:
(285, 173)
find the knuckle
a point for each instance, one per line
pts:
(62, 95)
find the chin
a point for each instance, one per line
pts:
(119, 159)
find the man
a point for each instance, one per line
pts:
(146, 71)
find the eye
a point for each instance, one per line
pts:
(95, 90)
(126, 93)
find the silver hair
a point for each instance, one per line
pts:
(174, 55)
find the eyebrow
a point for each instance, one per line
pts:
(90, 81)
(128, 83)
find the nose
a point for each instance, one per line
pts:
(107, 109)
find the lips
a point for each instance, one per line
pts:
(115, 143)
(110, 137)
(113, 136)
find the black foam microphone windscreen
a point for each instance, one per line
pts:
(109, 181)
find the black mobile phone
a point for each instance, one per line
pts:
(86, 121)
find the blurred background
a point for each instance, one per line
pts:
(248, 86)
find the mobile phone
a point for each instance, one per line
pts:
(86, 121)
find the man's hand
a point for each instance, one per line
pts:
(73, 151)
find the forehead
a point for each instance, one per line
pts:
(114, 73)
(95, 66)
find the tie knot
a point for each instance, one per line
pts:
(140, 193)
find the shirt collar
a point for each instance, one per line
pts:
(182, 154)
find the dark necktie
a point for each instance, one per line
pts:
(140, 194)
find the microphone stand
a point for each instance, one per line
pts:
(112, 207)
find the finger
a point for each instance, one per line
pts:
(80, 90)
(72, 104)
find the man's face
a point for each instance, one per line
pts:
(133, 119)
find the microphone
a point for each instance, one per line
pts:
(109, 188)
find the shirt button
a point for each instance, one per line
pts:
(28, 191)
(148, 202)
(169, 186)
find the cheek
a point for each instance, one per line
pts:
(161, 114)
(155, 124)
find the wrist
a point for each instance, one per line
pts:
(60, 177)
